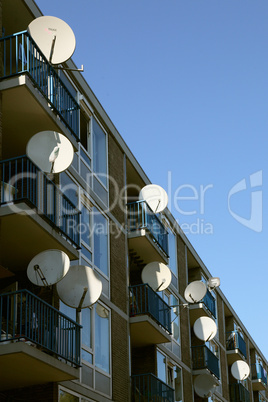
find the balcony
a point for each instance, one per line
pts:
(147, 236)
(235, 346)
(147, 387)
(258, 377)
(35, 214)
(206, 307)
(238, 393)
(204, 360)
(32, 89)
(150, 317)
(38, 343)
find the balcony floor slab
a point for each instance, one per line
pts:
(23, 365)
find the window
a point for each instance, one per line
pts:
(170, 374)
(99, 152)
(172, 251)
(96, 349)
(100, 241)
(174, 345)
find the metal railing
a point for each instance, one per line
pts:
(234, 341)
(210, 303)
(21, 55)
(140, 216)
(148, 388)
(22, 180)
(143, 300)
(238, 393)
(27, 318)
(203, 358)
(258, 373)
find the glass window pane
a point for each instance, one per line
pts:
(100, 241)
(178, 384)
(172, 251)
(66, 397)
(87, 375)
(87, 356)
(175, 318)
(99, 152)
(86, 330)
(161, 366)
(102, 383)
(68, 311)
(69, 188)
(85, 225)
(102, 338)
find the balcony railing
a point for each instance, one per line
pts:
(258, 373)
(140, 216)
(235, 341)
(22, 181)
(25, 317)
(238, 393)
(210, 303)
(147, 387)
(21, 55)
(143, 300)
(203, 358)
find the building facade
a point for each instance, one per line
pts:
(131, 345)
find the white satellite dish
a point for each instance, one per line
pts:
(204, 385)
(213, 283)
(155, 196)
(80, 288)
(240, 370)
(48, 267)
(205, 328)
(52, 152)
(54, 37)
(195, 291)
(157, 275)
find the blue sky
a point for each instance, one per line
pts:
(185, 83)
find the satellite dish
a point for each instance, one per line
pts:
(155, 196)
(213, 283)
(54, 37)
(52, 152)
(205, 328)
(204, 385)
(157, 275)
(195, 291)
(80, 288)
(240, 370)
(48, 267)
(102, 311)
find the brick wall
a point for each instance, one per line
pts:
(120, 359)
(116, 184)
(144, 360)
(118, 275)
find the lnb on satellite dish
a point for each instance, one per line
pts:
(155, 196)
(48, 267)
(80, 288)
(52, 152)
(54, 37)
(213, 283)
(157, 275)
(195, 291)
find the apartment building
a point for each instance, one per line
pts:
(133, 344)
